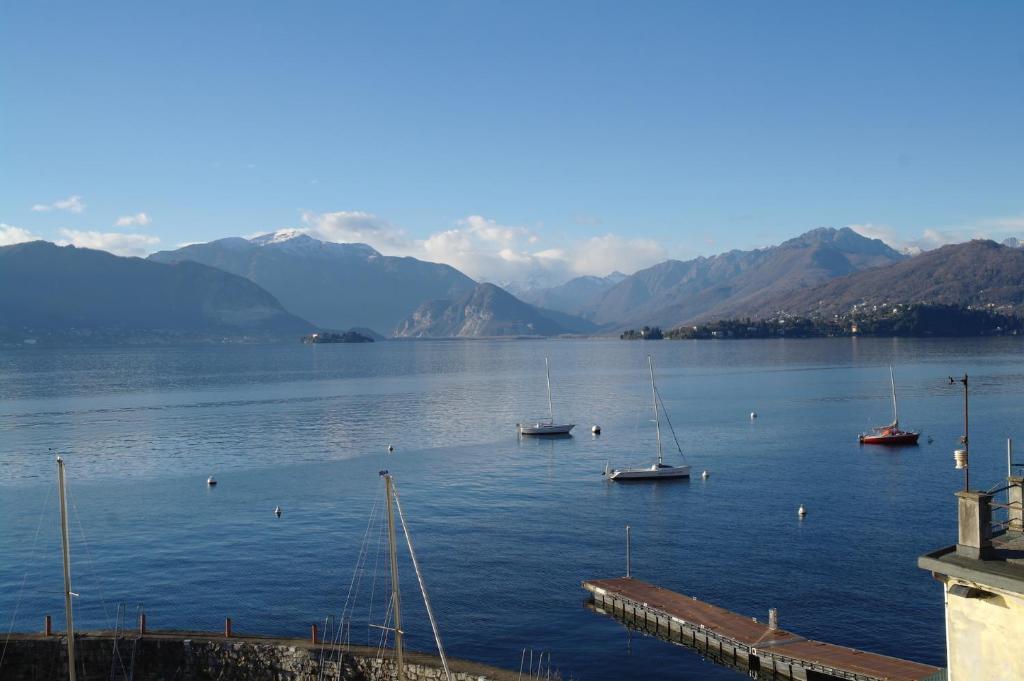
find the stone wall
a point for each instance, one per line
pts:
(202, 657)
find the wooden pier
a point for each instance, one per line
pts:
(741, 642)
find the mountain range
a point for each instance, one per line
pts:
(979, 272)
(571, 296)
(335, 286)
(51, 289)
(271, 285)
(727, 285)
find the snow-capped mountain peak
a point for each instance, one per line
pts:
(298, 242)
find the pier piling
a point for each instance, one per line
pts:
(227, 627)
(47, 626)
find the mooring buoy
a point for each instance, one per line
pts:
(210, 481)
(801, 511)
(596, 430)
(277, 511)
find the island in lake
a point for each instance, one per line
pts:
(331, 337)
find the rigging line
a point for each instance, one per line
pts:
(88, 555)
(354, 583)
(357, 579)
(373, 584)
(384, 630)
(669, 422)
(423, 587)
(24, 577)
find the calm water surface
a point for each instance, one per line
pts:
(505, 529)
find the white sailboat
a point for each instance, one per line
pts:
(659, 470)
(546, 426)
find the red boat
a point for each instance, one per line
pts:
(890, 434)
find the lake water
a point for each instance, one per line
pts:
(505, 530)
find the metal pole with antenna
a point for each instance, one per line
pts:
(65, 545)
(627, 553)
(966, 436)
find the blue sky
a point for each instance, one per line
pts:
(511, 138)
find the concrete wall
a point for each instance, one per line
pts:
(984, 635)
(201, 657)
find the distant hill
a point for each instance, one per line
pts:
(54, 290)
(977, 272)
(486, 311)
(335, 286)
(574, 296)
(722, 286)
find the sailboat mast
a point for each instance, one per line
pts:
(895, 413)
(396, 597)
(423, 589)
(65, 544)
(657, 417)
(547, 373)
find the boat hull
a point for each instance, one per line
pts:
(546, 429)
(901, 438)
(651, 473)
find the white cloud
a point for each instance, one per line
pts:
(996, 229)
(356, 226)
(137, 220)
(72, 204)
(118, 243)
(602, 255)
(9, 235)
(488, 250)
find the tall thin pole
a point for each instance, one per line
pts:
(551, 407)
(967, 431)
(423, 587)
(628, 571)
(396, 596)
(657, 416)
(966, 437)
(895, 412)
(72, 674)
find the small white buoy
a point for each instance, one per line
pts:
(596, 430)
(704, 475)
(390, 448)
(277, 511)
(753, 415)
(801, 511)
(210, 481)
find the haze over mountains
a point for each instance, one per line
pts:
(60, 290)
(335, 286)
(573, 295)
